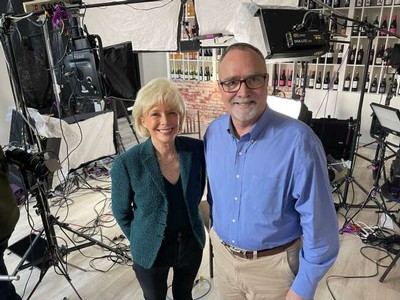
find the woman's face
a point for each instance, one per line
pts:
(162, 121)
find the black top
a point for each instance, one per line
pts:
(178, 218)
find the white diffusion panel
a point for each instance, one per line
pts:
(151, 26)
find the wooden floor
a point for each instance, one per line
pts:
(354, 275)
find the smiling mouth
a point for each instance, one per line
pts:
(243, 103)
(165, 130)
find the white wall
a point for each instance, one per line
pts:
(152, 65)
(6, 100)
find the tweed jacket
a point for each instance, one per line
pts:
(139, 197)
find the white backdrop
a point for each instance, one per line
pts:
(153, 26)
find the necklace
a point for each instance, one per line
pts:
(167, 162)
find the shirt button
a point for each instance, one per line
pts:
(233, 241)
(237, 176)
(236, 198)
(240, 153)
(233, 220)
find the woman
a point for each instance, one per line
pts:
(156, 189)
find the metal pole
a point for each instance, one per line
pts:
(56, 87)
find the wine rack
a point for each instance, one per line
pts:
(194, 65)
(347, 58)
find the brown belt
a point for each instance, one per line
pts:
(255, 254)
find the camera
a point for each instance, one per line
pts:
(27, 161)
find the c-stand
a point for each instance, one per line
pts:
(53, 254)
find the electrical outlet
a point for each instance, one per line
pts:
(36, 6)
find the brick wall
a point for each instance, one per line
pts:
(203, 96)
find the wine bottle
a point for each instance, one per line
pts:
(367, 3)
(346, 3)
(362, 28)
(329, 2)
(290, 79)
(382, 86)
(344, 28)
(207, 74)
(327, 80)
(371, 56)
(376, 22)
(336, 82)
(352, 56)
(354, 84)
(282, 78)
(388, 2)
(336, 3)
(366, 87)
(379, 2)
(384, 26)
(200, 76)
(394, 87)
(302, 79)
(311, 4)
(311, 82)
(346, 85)
(379, 56)
(329, 55)
(340, 55)
(275, 79)
(393, 25)
(318, 82)
(359, 3)
(355, 27)
(374, 85)
(396, 2)
(297, 80)
(360, 55)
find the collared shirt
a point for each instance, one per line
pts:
(270, 187)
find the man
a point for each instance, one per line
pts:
(9, 214)
(275, 231)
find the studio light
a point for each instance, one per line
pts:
(293, 108)
(303, 38)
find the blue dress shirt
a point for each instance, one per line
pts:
(270, 187)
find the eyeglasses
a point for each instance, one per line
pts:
(252, 82)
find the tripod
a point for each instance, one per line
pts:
(376, 133)
(376, 189)
(53, 254)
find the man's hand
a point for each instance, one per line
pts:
(291, 295)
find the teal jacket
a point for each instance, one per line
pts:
(139, 197)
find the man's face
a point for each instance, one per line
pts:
(247, 104)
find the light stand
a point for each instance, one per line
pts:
(391, 125)
(53, 254)
(371, 33)
(382, 136)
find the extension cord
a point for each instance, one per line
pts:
(37, 6)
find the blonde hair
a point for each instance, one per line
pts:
(157, 91)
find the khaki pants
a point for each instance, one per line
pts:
(264, 278)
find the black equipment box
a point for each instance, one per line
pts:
(336, 135)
